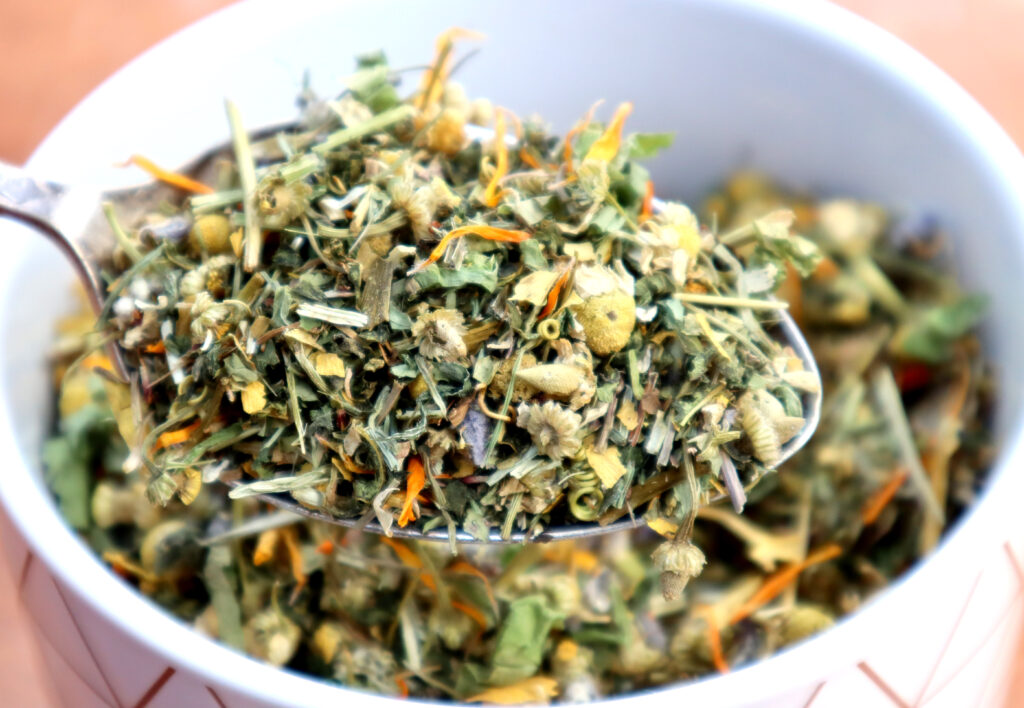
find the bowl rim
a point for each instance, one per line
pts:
(78, 569)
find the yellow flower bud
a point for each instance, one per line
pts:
(607, 322)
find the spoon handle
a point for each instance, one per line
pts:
(23, 197)
(33, 203)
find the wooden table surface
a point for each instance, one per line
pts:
(55, 51)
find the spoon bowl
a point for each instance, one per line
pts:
(72, 218)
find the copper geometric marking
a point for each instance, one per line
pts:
(67, 662)
(987, 637)
(1007, 636)
(23, 576)
(948, 642)
(220, 703)
(1015, 563)
(814, 695)
(155, 688)
(88, 648)
(882, 685)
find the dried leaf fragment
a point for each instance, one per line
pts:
(606, 465)
(254, 397)
(536, 690)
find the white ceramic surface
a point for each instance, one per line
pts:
(804, 90)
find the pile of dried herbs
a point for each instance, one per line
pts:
(901, 450)
(386, 319)
(906, 396)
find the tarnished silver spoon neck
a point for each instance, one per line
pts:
(41, 205)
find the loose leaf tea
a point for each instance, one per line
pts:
(380, 316)
(582, 620)
(468, 393)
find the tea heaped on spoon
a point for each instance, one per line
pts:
(390, 322)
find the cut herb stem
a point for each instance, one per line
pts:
(253, 235)
(725, 301)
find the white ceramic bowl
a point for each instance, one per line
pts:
(805, 91)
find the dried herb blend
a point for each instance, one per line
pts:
(581, 621)
(261, 375)
(383, 318)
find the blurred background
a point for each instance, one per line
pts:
(54, 52)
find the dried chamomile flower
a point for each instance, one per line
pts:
(522, 390)
(607, 322)
(169, 546)
(671, 240)
(207, 314)
(439, 335)
(553, 428)
(210, 233)
(114, 504)
(202, 277)
(447, 134)
(766, 424)
(679, 561)
(802, 622)
(851, 226)
(280, 203)
(416, 203)
(450, 625)
(272, 637)
(444, 197)
(608, 311)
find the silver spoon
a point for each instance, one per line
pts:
(70, 216)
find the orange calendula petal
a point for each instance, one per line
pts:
(491, 233)
(173, 178)
(97, 361)
(471, 612)
(175, 437)
(266, 545)
(555, 291)
(528, 159)
(778, 582)
(606, 147)
(647, 208)
(492, 194)
(409, 559)
(465, 568)
(414, 481)
(715, 642)
(432, 83)
(291, 542)
(405, 554)
(880, 499)
(573, 132)
(403, 687)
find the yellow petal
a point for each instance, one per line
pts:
(254, 397)
(534, 288)
(303, 337)
(627, 415)
(567, 650)
(189, 489)
(607, 146)
(689, 237)
(582, 252)
(236, 242)
(119, 396)
(537, 689)
(328, 364)
(663, 527)
(606, 465)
